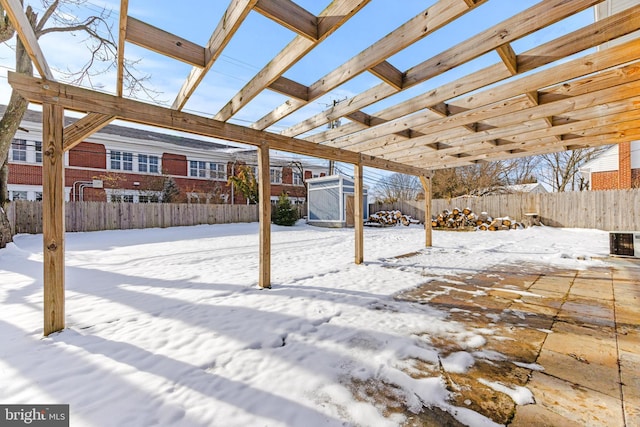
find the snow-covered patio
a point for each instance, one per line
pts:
(168, 326)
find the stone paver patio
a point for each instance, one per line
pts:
(572, 337)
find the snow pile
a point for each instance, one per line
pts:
(168, 327)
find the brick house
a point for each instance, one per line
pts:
(128, 164)
(615, 169)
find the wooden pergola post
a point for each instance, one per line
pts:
(264, 192)
(358, 211)
(426, 185)
(53, 216)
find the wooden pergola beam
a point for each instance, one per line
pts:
(291, 16)
(122, 35)
(536, 17)
(329, 20)
(423, 24)
(167, 44)
(264, 201)
(509, 57)
(13, 8)
(83, 128)
(388, 73)
(358, 211)
(288, 87)
(79, 99)
(235, 14)
(587, 37)
(53, 217)
(484, 105)
(425, 180)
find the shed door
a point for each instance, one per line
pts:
(350, 208)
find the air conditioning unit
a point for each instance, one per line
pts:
(624, 243)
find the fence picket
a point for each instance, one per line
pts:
(610, 210)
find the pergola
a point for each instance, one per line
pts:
(562, 94)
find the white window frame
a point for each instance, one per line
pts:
(151, 161)
(296, 178)
(122, 159)
(275, 175)
(30, 151)
(218, 171)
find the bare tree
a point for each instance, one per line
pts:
(102, 47)
(477, 179)
(560, 170)
(398, 186)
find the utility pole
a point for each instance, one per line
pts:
(333, 124)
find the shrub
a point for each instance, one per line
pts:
(284, 213)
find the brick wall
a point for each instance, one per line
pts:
(88, 155)
(604, 180)
(25, 174)
(624, 165)
(174, 164)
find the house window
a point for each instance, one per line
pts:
(121, 160)
(127, 161)
(218, 171)
(198, 169)
(297, 178)
(19, 150)
(18, 195)
(127, 198)
(148, 198)
(275, 175)
(116, 158)
(38, 145)
(148, 163)
(38, 195)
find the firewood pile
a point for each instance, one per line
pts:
(466, 219)
(389, 218)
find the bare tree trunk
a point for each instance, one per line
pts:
(8, 126)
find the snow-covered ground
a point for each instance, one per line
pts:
(167, 326)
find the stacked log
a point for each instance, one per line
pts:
(390, 218)
(466, 219)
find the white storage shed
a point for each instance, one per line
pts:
(330, 201)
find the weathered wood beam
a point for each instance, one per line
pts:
(423, 24)
(160, 41)
(329, 20)
(83, 128)
(235, 14)
(509, 57)
(53, 217)
(584, 38)
(291, 16)
(122, 35)
(14, 10)
(264, 196)
(388, 73)
(358, 212)
(426, 187)
(622, 121)
(480, 106)
(538, 16)
(523, 121)
(85, 100)
(288, 87)
(604, 125)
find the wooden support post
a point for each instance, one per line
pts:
(53, 216)
(264, 190)
(358, 212)
(426, 185)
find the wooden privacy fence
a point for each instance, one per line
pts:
(612, 210)
(26, 216)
